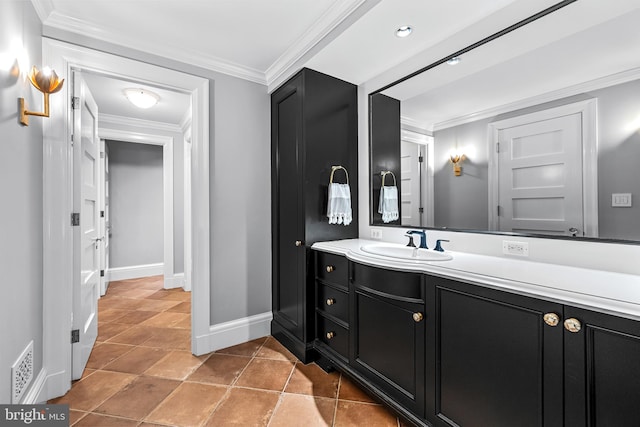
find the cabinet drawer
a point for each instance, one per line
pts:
(332, 268)
(391, 284)
(333, 335)
(334, 302)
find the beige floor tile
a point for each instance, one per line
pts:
(298, 410)
(220, 369)
(248, 349)
(181, 307)
(235, 410)
(155, 304)
(272, 349)
(110, 314)
(170, 338)
(312, 380)
(138, 293)
(177, 365)
(95, 420)
(105, 353)
(165, 319)
(350, 391)
(190, 405)
(135, 335)
(110, 330)
(75, 416)
(137, 399)
(266, 374)
(135, 317)
(90, 392)
(137, 360)
(356, 414)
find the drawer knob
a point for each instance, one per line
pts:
(551, 319)
(330, 268)
(331, 301)
(572, 325)
(330, 335)
(417, 317)
(298, 242)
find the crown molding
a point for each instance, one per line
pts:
(43, 8)
(599, 83)
(63, 22)
(314, 35)
(140, 123)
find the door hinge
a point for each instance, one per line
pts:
(497, 147)
(75, 336)
(498, 210)
(101, 273)
(421, 210)
(75, 103)
(75, 219)
(420, 159)
(101, 214)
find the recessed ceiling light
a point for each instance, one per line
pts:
(455, 60)
(141, 98)
(404, 31)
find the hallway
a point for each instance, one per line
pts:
(141, 373)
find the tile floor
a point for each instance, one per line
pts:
(141, 373)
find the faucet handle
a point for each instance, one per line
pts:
(410, 244)
(439, 246)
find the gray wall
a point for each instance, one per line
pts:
(136, 204)
(240, 186)
(21, 194)
(461, 202)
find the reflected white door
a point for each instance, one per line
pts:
(86, 237)
(540, 177)
(410, 201)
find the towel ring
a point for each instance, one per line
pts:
(335, 168)
(384, 174)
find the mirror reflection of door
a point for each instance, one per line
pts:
(539, 184)
(416, 170)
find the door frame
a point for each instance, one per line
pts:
(589, 112)
(58, 198)
(166, 142)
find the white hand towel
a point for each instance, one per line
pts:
(339, 204)
(388, 205)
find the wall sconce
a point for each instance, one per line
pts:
(456, 159)
(47, 82)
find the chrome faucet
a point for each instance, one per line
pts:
(423, 237)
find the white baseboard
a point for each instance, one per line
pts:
(134, 271)
(32, 396)
(177, 281)
(234, 332)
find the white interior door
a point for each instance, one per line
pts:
(540, 177)
(86, 166)
(410, 200)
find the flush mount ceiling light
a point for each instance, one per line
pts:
(454, 61)
(141, 98)
(404, 31)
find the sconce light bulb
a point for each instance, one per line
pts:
(46, 71)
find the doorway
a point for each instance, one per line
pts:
(58, 198)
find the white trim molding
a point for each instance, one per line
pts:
(58, 197)
(134, 271)
(141, 123)
(33, 395)
(234, 332)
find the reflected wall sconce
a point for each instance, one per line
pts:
(456, 159)
(47, 82)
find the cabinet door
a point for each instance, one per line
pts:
(289, 273)
(389, 342)
(602, 370)
(496, 361)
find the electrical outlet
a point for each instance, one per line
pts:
(515, 248)
(376, 233)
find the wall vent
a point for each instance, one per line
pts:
(22, 374)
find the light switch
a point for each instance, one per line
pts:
(621, 200)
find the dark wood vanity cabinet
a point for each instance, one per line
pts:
(313, 127)
(388, 338)
(494, 360)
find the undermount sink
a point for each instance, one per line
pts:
(405, 252)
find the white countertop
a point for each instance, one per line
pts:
(614, 293)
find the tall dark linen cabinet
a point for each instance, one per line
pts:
(313, 127)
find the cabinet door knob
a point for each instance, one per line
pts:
(330, 268)
(330, 335)
(551, 319)
(298, 242)
(331, 301)
(572, 325)
(417, 317)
